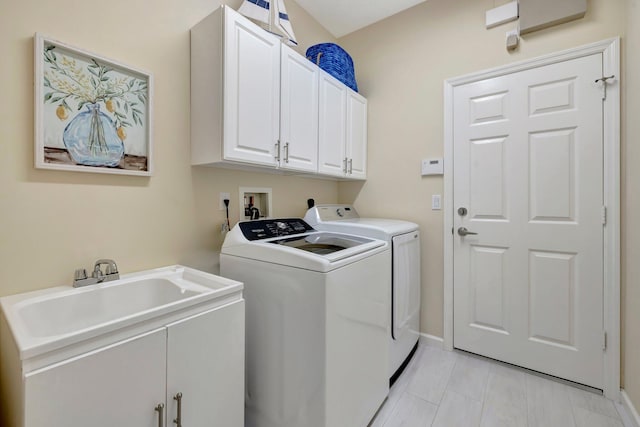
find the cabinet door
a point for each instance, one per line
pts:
(298, 112)
(356, 135)
(251, 92)
(205, 362)
(119, 385)
(332, 126)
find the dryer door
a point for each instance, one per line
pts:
(406, 282)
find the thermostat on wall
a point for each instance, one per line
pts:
(432, 167)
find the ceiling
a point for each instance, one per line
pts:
(341, 17)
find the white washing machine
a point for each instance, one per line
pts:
(316, 323)
(404, 239)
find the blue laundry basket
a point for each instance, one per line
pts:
(335, 61)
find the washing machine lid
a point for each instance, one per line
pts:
(292, 242)
(345, 219)
(321, 243)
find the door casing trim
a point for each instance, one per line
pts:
(610, 50)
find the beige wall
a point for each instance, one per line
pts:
(401, 64)
(54, 222)
(630, 206)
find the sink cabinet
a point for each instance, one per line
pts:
(205, 362)
(116, 385)
(121, 378)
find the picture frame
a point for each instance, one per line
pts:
(92, 114)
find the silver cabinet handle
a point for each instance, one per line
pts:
(178, 420)
(160, 410)
(277, 156)
(350, 166)
(344, 165)
(462, 231)
(286, 152)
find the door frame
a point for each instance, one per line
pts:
(610, 50)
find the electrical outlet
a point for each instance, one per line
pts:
(224, 196)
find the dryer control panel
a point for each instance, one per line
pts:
(268, 228)
(326, 213)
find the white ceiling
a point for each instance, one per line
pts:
(341, 17)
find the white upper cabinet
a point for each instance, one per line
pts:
(235, 91)
(332, 127)
(258, 104)
(298, 112)
(342, 130)
(356, 145)
(251, 91)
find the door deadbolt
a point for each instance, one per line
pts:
(462, 211)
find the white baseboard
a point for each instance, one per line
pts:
(431, 340)
(631, 410)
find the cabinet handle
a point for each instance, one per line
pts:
(286, 152)
(277, 156)
(160, 410)
(344, 165)
(350, 166)
(178, 420)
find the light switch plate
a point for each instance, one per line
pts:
(436, 202)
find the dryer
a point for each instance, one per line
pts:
(316, 323)
(404, 239)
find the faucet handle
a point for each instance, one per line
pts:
(111, 269)
(80, 274)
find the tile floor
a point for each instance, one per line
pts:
(451, 389)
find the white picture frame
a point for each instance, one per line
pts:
(92, 114)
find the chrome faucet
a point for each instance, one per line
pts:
(110, 273)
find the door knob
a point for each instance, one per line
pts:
(462, 231)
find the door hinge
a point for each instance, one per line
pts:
(604, 215)
(604, 341)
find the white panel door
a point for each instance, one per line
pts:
(251, 92)
(119, 385)
(528, 168)
(332, 126)
(299, 112)
(205, 363)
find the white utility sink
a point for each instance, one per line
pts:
(52, 318)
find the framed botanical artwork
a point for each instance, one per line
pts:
(92, 114)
